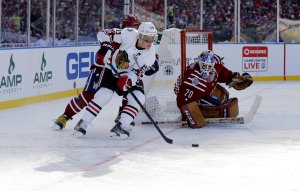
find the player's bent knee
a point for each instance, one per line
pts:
(103, 96)
(83, 99)
(139, 95)
(87, 96)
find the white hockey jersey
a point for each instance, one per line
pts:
(116, 36)
(138, 58)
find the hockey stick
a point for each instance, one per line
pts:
(248, 118)
(168, 140)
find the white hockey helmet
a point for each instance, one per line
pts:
(206, 61)
(147, 31)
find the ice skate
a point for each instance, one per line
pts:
(119, 115)
(130, 127)
(80, 129)
(61, 122)
(117, 132)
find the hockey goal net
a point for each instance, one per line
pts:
(177, 49)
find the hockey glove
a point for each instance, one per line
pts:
(103, 55)
(241, 82)
(124, 83)
(152, 69)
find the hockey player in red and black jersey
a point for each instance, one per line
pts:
(200, 95)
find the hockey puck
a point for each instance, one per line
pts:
(195, 145)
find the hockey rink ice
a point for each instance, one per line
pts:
(261, 156)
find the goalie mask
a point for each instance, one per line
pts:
(147, 34)
(206, 62)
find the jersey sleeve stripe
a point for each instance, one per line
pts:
(188, 83)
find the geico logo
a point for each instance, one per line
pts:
(78, 64)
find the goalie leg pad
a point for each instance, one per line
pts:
(221, 93)
(193, 115)
(228, 109)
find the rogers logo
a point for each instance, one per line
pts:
(247, 51)
(255, 51)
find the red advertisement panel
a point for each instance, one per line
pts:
(255, 58)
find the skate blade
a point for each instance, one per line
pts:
(128, 128)
(78, 134)
(56, 127)
(118, 136)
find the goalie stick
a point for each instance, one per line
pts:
(233, 120)
(168, 140)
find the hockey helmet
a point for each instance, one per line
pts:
(131, 21)
(147, 31)
(206, 61)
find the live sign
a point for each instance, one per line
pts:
(255, 58)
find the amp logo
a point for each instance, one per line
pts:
(10, 83)
(43, 76)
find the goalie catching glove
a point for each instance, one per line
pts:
(124, 83)
(240, 82)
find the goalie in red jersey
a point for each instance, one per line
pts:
(200, 95)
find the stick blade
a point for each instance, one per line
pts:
(254, 108)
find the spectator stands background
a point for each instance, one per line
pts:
(258, 19)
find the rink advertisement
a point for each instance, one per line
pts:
(40, 74)
(29, 75)
(255, 58)
(265, 62)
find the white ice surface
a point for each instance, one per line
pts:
(261, 156)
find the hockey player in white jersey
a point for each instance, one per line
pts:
(109, 41)
(130, 60)
(114, 36)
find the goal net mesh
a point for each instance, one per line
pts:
(174, 56)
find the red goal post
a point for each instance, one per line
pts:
(185, 35)
(177, 49)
